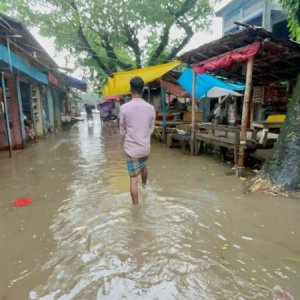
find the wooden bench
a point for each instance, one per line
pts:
(179, 140)
(160, 133)
(226, 137)
(182, 139)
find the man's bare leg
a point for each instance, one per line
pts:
(134, 190)
(144, 175)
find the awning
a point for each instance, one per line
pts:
(174, 89)
(204, 83)
(74, 82)
(225, 60)
(22, 65)
(119, 83)
(217, 92)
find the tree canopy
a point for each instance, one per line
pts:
(292, 8)
(108, 35)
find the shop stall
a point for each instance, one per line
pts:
(257, 58)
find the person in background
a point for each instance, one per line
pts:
(89, 112)
(29, 129)
(137, 119)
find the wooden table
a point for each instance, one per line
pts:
(169, 123)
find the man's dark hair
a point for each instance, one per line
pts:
(136, 85)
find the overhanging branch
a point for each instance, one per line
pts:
(85, 43)
(164, 39)
(111, 53)
(189, 33)
(133, 43)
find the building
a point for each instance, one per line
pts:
(32, 88)
(266, 14)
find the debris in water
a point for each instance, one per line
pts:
(79, 228)
(281, 294)
(221, 237)
(292, 259)
(32, 295)
(225, 247)
(22, 202)
(247, 238)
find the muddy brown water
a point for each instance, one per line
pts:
(195, 235)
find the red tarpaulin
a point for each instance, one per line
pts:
(225, 60)
(52, 79)
(174, 89)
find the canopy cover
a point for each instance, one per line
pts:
(174, 89)
(225, 60)
(205, 82)
(119, 83)
(217, 92)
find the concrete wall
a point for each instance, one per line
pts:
(245, 11)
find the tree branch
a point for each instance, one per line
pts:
(87, 46)
(111, 53)
(189, 33)
(133, 43)
(186, 6)
(164, 39)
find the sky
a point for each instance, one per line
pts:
(198, 39)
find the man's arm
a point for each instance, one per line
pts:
(122, 123)
(153, 121)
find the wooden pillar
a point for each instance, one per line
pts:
(164, 112)
(206, 108)
(6, 114)
(245, 116)
(193, 112)
(149, 94)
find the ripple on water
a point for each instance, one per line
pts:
(152, 251)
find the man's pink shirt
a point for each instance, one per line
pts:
(137, 119)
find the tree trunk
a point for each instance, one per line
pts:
(282, 170)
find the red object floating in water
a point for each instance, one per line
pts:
(22, 202)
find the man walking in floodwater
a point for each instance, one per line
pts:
(137, 118)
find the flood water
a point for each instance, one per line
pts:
(195, 235)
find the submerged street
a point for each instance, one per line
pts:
(195, 234)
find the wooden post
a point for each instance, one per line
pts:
(163, 108)
(245, 116)
(149, 95)
(206, 108)
(6, 114)
(193, 112)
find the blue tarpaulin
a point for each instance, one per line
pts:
(22, 65)
(205, 82)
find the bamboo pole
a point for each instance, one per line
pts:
(245, 116)
(149, 94)
(193, 112)
(164, 113)
(163, 107)
(6, 114)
